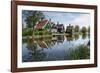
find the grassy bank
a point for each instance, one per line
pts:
(81, 52)
(27, 32)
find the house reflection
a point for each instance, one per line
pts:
(49, 42)
(44, 42)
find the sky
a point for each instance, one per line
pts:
(66, 18)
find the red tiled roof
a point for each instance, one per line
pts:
(41, 24)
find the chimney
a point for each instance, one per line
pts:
(50, 20)
(57, 22)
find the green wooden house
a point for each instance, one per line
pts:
(43, 27)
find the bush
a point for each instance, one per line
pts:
(42, 32)
(27, 32)
(38, 32)
(84, 30)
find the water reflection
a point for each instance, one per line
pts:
(34, 53)
(76, 36)
(49, 48)
(70, 38)
(84, 36)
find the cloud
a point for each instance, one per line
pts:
(82, 20)
(66, 18)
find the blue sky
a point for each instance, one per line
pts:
(66, 18)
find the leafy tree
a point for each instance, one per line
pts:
(76, 29)
(84, 30)
(69, 29)
(32, 17)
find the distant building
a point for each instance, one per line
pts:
(60, 28)
(54, 28)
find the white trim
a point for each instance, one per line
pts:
(52, 63)
(45, 24)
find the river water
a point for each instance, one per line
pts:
(52, 48)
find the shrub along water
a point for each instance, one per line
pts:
(81, 52)
(27, 32)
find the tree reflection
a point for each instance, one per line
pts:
(24, 41)
(84, 36)
(35, 54)
(60, 39)
(76, 36)
(70, 38)
(88, 35)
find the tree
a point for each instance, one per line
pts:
(32, 17)
(89, 29)
(29, 21)
(76, 29)
(84, 30)
(69, 29)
